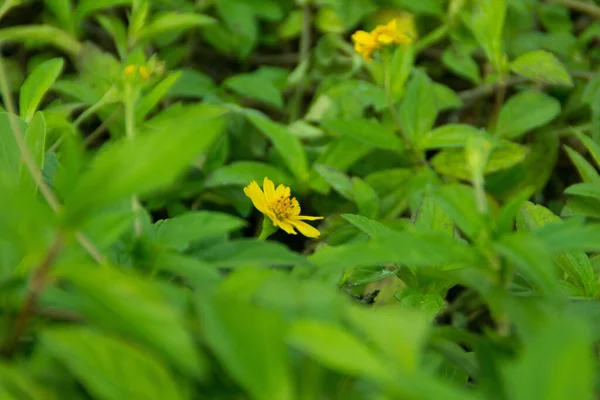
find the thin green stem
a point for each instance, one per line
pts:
(131, 97)
(478, 184)
(37, 284)
(303, 61)
(106, 99)
(499, 102)
(432, 38)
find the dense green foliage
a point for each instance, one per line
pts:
(458, 177)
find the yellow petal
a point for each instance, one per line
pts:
(269, 188)
(306, 218)
(282, 191)
(295, 207)
(257, 196)
(392, 25)
(304, 228)
(362, 37)
(286, 226)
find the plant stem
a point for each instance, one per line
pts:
(86, 114)
(304, 58)
(91, 138)
(432, 38)
(267, 229)
(37, 284)
(478, 184)
(577, 5)
(498, 103)
(95, 107)
(29, 162)
(131, 97)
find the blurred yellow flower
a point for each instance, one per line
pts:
(280, 208)
(141, 70)
(365, 43)
(405, 21)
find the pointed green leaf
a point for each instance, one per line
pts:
(37, 84)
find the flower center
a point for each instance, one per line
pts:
(282, 207)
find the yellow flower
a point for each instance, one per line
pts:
(280, 208)
(140, 70)
(365, 43)
(405, 21)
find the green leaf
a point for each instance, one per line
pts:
(201, 276)
(577, 265)
(117, 30)
(35, 138)
(532, 258)
(571, 235)
(541, 66)
(367, 131)
(10, 155)
(581, 206)
(149, 162)
(171, 21)
(568, 370)
(587, 172)
(249, 252)
(487, 23)
(241, 173)
(367, 225)
(419, 249)
(453, 162)
(446, 98)
(366, 198)
(154, 96)
(249, 344)
(462, 64)
(63, 11)
(526, 111)
(86, 7)
(239, 18)
(426, 249)
(289, 146)
(419, 108)
(36, 85)
(591, 145)
(133, 307)
(193, 84)
(179, 232)
(450, 135)
(430, 217)
(17, 384)
(337, 180)
(337, 349)
(399, 334)
(584, 189)
(108, 367)
(41, 34)
(256, 87)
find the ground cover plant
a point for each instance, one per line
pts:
(299, 199)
